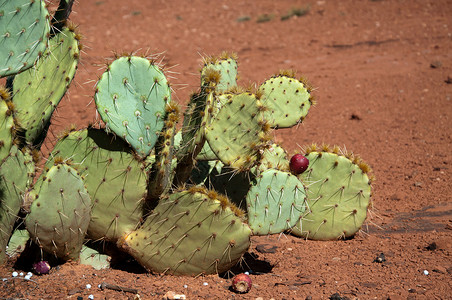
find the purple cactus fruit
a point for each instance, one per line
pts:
(298, 164)
(41, 267)
(241, 283)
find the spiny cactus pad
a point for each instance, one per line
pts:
(162, 171)
(287, 100)
(192, 232)
(38, 91)
(338, 197)
(7, 124)
(238, 133)
(274, 157)
(115, 180)
(60, 212)
(226, 66)
(24, 31)
(275, 202)
(15, 177)
(131, 97)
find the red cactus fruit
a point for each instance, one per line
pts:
(298, 164)
(41, 267)
(241, 283)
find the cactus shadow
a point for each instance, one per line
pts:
(250, 263)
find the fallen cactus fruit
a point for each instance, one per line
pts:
(298, 164)
(241, 283)
(41, 267)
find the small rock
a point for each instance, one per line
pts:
(172, 295)
(418, 184)
(266, 248)
(380, 258)
(448, 80)
(259, 298)
(431, 247)
(425, 272)
(435, 64)
(439, 269)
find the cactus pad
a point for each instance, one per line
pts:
(190, 233)
(287, 99)
(131, 97)
(24, 31)
(115, 180)
(275, 202)
(226, 68)
(338, 190)
(238, 133)
(15, 177)
(7, 124)
(38, 91)
(60, 212)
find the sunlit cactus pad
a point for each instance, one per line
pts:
(24, 30)
(131, 97)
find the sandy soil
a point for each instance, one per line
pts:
(382, 71)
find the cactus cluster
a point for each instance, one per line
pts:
(179, 199)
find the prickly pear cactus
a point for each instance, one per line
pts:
(275, 202)
(38, 91)
(287, 98)
(192, 232)
(60, 212)
(338, 189)
(114, 178)
(131, 97)
(24, 31)
(15, 176)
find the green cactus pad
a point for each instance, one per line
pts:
(131, 97)
(91, 257)
(338, 190)
(287, 99)
(38, 91)
(115, 179)
(162, 172)
(275, 202)
(17, 242)
(226, 66)
(16, 172)
(7, 124)
(275, 157)
(238, 133)
(60, 212)
(24, 31)
(190, 233)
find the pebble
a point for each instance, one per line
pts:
(88, 286)
(440, 269)
(91, 297)
(205, 284)
(15, 274)
(185, 286)
(173, 295)
(425, 272)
